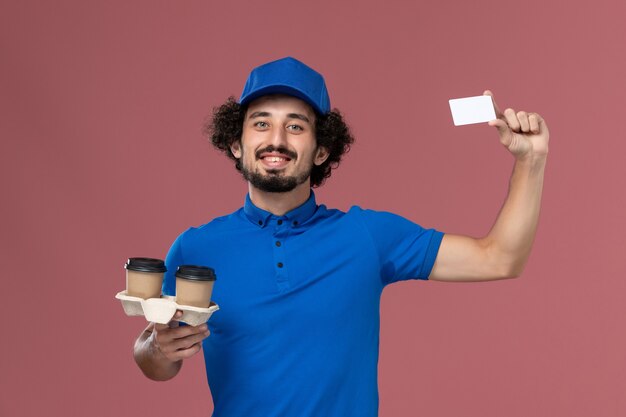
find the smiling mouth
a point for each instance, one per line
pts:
(273, 154)
(274, 163)
(275, 158)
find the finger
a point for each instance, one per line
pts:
(533, 120)
(522, 117)
(172, 323)
(160, 327)
(541, 121)
(185, 353)
(187, 342)
(182, 344)
(185, 331)
(177, 316)
(165, 337)
(499, 114)
(511, 119)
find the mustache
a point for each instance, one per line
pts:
(280, 149)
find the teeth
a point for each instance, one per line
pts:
(275, 159)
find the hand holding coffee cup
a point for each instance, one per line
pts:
(144, 277)
(176, 343)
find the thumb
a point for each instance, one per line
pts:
(174, 322)
(495, 105)
(506, 136)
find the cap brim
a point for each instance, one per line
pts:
(280, 89)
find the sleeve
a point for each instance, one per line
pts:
(405, 249)
(173, 260)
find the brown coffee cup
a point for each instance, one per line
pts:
(194, 285)
(144, 277)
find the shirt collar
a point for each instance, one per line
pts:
(297, 216)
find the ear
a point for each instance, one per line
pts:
(321, 155)
(235, 148)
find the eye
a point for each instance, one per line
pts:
(262, 125)
(295, 127)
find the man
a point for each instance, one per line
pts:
(299, 285)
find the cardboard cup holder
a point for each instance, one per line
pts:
(161, 310)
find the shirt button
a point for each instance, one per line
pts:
(277, 243)
(280, 222)
(260, 222)
(280, 264)
(295, 223)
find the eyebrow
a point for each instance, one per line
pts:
(290, 116)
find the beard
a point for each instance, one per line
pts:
(274, 181)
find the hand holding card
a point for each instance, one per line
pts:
(524, 134)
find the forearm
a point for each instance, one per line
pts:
(151, 361)
(512, 235)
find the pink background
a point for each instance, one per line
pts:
(101, 106)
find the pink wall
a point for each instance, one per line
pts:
(100, 108)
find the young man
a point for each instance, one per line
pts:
(299, 285)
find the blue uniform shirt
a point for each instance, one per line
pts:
(299, 295)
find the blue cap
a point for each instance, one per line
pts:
(288, 76)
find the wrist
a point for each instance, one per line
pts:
(532, 159)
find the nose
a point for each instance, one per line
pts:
(279, 137)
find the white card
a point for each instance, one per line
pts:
(470, 110)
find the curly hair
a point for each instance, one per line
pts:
(331, 132)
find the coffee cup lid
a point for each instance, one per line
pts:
(196, 272)
(145, 265)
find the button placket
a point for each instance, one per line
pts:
(280, 233)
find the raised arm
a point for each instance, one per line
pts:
(503, 252)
